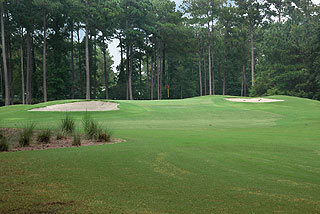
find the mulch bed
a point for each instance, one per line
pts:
(13, 133)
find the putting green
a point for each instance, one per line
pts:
(198, 155)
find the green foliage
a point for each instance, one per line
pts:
(1, 135)
(67, 124)
(286, 45)
(60, 135)
(91, 127)
(25, 136)
(4, 145)
(44, 136)
(76, 140)
(104, 136)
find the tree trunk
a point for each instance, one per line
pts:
(148, 75)
(9, 62)
(95, 69)
(45, 99)
(224, 83)
(140, 73)
(209, 60)
(10, 69)
(80, 64)
(4, 56)
(1, 82)
(130, 72)
(199, 65)
(105, 68)
(212, 53)
(242, 81)
(87, 54)
(252, 56)
(161, 69)
(22, 72)
(127, 70)
(158, 71)
(72, 65)
(152, 71)
(29, 71)
(205, 71)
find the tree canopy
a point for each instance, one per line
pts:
(58, 49)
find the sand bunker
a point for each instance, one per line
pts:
(253, 100)
(81, 106)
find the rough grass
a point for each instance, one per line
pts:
(199, 155)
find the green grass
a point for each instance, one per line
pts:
(199, 155)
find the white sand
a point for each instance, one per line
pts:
(253, 100)
(81, 106)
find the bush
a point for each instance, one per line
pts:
(76, 140)
(26, 135)
(91, 127)
(67, 125)
(104, 136)
(44, 136)
(4, 145)
(1, 135)
(60, 135)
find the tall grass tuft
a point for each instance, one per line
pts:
(26, 134)
(44, 136)
(105, 136)
(4, 145)
(91, 127)
(76, 140)
(67, 125)
(1, 135)
(60, 135)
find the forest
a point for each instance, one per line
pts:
(58, 49)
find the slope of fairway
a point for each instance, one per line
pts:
(198, 155)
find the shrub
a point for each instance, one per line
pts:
(104, 136)
(44, 136)
(91, 127)
(4, 145)
(76, 140)
(60, 135)
(67, 125)
(1, 135)
(26, 135)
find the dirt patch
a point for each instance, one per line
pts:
(81, 106)
(12, 133)
(253, 100)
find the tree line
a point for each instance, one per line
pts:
(58, 49)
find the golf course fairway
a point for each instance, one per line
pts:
(197, 155)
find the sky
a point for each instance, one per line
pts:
(115, 52)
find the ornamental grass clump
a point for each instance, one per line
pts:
(76, 140)
(105, 136)
(44, 136)
(91, 127)
(26, 135)
(67, 125)
(4, 145)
